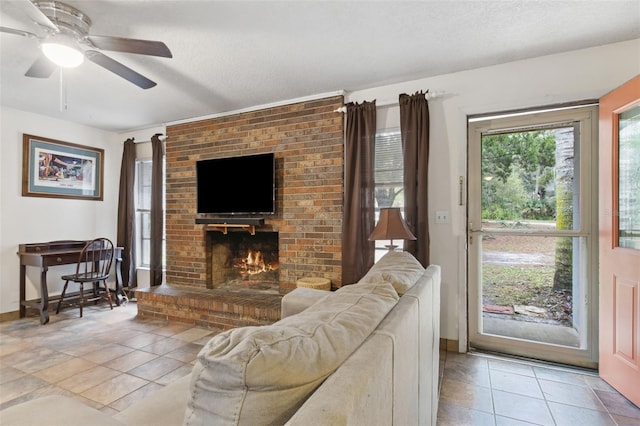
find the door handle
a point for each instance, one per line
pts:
(472, 231)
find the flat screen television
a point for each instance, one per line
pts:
(236, 185)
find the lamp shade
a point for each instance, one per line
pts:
(391, 226)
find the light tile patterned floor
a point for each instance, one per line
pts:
(110, 359)
(478, 389)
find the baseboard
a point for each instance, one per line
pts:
(449, 345)
(9, 316)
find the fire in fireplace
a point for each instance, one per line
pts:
(254, 263)
(239, 258)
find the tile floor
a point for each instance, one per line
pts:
(107, 359)
(110, 359)
(478, 389)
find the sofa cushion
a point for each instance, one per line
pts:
(400, 268)
(262, 375)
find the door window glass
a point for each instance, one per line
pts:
(629, 179)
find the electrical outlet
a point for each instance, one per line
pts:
(442, 216)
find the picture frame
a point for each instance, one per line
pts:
(57, 169)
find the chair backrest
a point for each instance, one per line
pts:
(95, 259)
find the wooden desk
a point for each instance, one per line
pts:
(54, 253)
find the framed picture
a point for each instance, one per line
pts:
(57, 169)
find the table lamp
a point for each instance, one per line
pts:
(391, 227)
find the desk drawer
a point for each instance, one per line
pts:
(60, 259)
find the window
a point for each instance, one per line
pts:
(143, 213)
(388, 178)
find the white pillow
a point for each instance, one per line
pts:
(262, 375)
(400, 268)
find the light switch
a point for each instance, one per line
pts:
(442, 216)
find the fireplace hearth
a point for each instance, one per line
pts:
(239, 259)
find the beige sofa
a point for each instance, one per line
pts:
(366, 354)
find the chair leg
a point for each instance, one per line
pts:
(64, 290)
(81, 302)
(96, 292)
(106, 289)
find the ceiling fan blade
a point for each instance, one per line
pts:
(17, 32)
(117, 68)
(131, 45)
(36, 15)
(41, 68)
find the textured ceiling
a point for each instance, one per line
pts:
(230, 55)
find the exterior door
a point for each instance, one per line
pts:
(532, 234)
(620, 239)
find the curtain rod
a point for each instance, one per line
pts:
(432, 94)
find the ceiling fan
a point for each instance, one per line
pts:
(67, 42)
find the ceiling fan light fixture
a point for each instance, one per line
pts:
(62, 55)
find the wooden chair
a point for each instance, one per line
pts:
(94, 266)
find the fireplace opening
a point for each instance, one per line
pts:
(241, 260)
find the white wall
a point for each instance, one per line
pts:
(573, 76)
(35, 219)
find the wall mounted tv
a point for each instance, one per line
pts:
(236, 185)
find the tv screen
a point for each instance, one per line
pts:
(236, 185)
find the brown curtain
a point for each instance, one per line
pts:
(357, 250)
(126, 236)
(414, 128)
(156, 216)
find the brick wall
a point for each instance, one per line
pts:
(307, 139)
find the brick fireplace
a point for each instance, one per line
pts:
(307, 139)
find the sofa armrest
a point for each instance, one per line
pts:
(300, 299)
